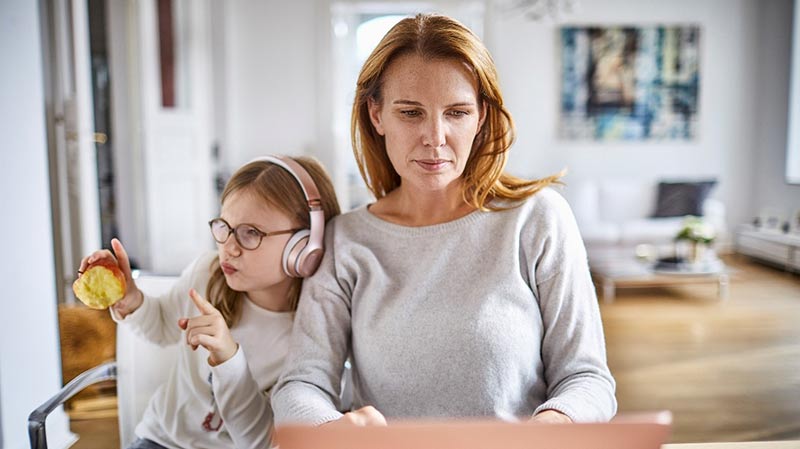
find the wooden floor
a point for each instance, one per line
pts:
(102, 433)
(728, 370)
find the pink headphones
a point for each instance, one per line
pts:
(304, 251)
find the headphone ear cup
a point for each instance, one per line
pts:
(292, 250)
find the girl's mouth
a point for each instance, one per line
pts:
(228, 268)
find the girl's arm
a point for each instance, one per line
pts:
(245, 411)
(156, 319)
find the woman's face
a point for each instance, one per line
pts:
(258, 270)
(429, 116)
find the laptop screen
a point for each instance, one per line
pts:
(640, 431)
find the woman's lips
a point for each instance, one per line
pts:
(431, 164)
(228, 268)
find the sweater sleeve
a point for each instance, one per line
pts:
(309, 388)
(579, 383)
(244, 409)
(156, 320)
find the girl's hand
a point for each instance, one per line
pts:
(133, 296)
(209, 331)
(365, 416)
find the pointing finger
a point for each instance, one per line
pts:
(202, 305)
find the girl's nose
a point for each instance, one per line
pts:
(231, 246)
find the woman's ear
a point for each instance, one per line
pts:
(375, 115)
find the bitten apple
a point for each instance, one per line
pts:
(101, 285)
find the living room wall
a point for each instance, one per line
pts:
(270, 53)
(771, 190)
(743, 83)
(278, 52)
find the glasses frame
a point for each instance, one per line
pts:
(232, 230)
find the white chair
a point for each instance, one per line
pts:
(142, 366)
(136, 381)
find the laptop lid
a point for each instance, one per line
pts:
(633, 431)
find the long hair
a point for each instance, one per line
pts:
(432, 37)
(280, 190)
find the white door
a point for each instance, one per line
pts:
(170, 91)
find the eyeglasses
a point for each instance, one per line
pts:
(246, 235)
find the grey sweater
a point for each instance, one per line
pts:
(490, 315)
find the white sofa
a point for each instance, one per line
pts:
(618, 212)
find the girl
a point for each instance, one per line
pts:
(269, 235)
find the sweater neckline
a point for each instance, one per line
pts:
(398, 229)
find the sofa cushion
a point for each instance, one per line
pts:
(678, 199)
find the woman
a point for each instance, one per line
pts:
(462, 291)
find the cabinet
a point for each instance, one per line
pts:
(778, 248)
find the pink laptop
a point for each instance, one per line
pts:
(633, 431)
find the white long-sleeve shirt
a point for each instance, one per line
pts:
(493, 314)
(176, 413)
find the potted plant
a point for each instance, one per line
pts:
(699, 234)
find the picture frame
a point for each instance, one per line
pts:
(629, 82)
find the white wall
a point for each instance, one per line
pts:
(527, 60)
(30, 368)
(270, 55)
(275, 94)
(775, 40)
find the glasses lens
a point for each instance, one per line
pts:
(220, 230)
(248, 236)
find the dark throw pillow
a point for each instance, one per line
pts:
(676, 199)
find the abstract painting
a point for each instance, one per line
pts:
(629, 83)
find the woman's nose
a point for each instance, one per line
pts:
(434, 135)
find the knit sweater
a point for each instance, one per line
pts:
(490, 315)
(236, 395)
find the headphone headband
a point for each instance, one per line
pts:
(299, 173)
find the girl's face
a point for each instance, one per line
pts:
(429, 116)
(256, 272)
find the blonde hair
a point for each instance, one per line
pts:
(434, 36)
(278, 188)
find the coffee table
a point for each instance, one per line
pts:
(621, 269)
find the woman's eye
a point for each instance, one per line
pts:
(251, 233)
(458, 113)
(410, 113)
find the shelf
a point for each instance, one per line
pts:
(770, 246)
